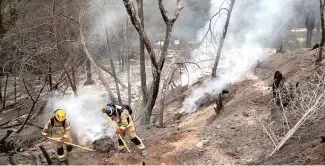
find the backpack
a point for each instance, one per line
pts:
(52, 122)
(120, 110)
(123, 107)
(128, 108)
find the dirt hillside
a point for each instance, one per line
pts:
(235, 136)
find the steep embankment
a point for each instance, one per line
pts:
(235, 136)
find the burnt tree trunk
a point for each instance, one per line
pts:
(120, 62)
(157, 66)
(1, 98)
(321, 45)
(142, 58)
(123, 61)
(74, 78)
(15, 90)
(46, 155)
(89, 80)
(219, 105)
(57, 50)
(128, 64)
(50, 76)
(98, 71)
(310, 25)
(164, 89)
(222, 40)
(2, 28)
(5, 92)
(309, 37)
(129, 78)
(12, 160)
(113, 68)
(34, 102)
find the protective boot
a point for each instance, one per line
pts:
(121, 147)
(60, 152)
(69, 150)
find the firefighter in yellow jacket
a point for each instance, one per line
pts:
(59, 128)
(122, 116)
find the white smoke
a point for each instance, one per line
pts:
(252, 24)
(84, 114)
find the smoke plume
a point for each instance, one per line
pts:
(87, 121)
(254, 26)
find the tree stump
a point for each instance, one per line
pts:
(104, 145)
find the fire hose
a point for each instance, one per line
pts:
(115, 128)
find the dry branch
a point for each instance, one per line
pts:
(310, 111)
(266, 131)
(33, 105)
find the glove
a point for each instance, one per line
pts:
(64, 140)
(45, 137)
(119, 131)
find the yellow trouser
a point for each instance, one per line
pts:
(130, 132)
(60, 149)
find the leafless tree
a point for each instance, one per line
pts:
(34, 99)
(142, 56)
(157, 65)
(222, 39)
(113, 68)
(89, 80)
(310, 21)
(57, 48)
(90, 57)
(127, 44)
(321, 7)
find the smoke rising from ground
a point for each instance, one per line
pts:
(254, 25)
(88, 123)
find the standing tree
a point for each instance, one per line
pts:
(127, 44)
(89, 80)
(310, 25)
(321, 4)
(222, 38)
(142, 57)
(82, 13)
(157, 65)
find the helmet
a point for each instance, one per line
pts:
(60, 115)
(110, 110)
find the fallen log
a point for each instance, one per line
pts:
(33, 124)
(46, 155)
(2, 140)
(10, 126)
(12, 160)
(11, 120)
